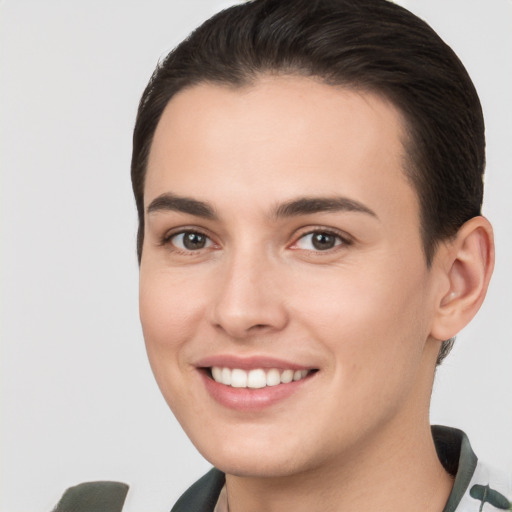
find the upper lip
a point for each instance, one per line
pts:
(248, 363)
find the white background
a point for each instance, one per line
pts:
(78, 400)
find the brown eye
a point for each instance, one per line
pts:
(323, 241)
(319, 241)
(190, 241)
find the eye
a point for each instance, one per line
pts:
(319, 241)
(190, 241)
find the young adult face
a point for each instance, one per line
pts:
(283, 237)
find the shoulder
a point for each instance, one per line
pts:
(90, 496)
(477, 486)
(490, 489)
(110, 496)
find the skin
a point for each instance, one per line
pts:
(367, 313)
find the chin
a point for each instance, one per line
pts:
(256, 456)
(249, 466)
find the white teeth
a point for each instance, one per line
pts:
(257, 378)
(287, 376)
(273, 377)
(238, 378)
(225, 376)
(217, 373)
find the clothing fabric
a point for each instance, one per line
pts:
(476, 488)
(93, 497)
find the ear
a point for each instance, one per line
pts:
(466, 262)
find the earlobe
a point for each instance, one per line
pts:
(468, 262)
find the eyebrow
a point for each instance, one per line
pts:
(309, 205)
(293, 208)
(171, 202)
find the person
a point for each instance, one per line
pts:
(308, 180)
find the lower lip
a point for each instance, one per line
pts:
(248, 399)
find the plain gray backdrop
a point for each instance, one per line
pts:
(78, 400)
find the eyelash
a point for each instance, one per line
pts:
(167, 240)
(341, 240)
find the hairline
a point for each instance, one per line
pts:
(407, 138)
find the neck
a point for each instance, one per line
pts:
(389, 476)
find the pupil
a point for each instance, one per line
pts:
(323, 241)
(194, 241)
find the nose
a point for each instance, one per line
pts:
(249, 299)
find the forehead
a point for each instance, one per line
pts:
(280, 134)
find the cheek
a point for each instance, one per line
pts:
(168, 301)
(169, 308)
(369, 319)
(376, 346)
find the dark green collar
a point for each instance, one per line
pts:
(457, 457)
(203, 495)
(453, 450)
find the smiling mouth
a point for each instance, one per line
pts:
(257, 378)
